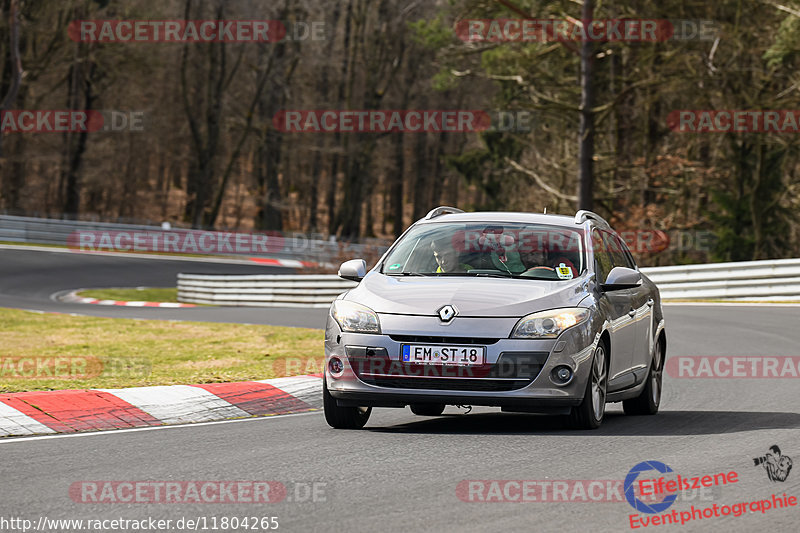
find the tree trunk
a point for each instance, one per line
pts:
(586, 142)
(421, 177)
(397, 186)
(80, 84)
(14, 59)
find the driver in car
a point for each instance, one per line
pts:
(446, 257)
(534, 259)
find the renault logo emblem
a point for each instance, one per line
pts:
(447, 313)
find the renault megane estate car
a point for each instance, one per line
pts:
(527, 312)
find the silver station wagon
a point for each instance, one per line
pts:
(527, 312)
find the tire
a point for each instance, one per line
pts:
(649, 400)
(427, 409)
(342, 417)
(589, 414)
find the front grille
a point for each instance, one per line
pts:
(513, 370)
(429, 339)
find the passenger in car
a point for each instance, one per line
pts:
(505, 256)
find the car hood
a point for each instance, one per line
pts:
(471, 296)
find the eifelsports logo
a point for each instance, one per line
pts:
(657, 514)
(667, 487)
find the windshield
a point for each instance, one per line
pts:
(491, 250)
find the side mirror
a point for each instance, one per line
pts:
(354, 270)
(622, 278)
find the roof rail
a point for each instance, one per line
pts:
(441, 210)
(583, 215)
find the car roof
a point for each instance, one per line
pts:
(502, 216)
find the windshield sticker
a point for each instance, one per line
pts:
(563, 271)
(395, 266)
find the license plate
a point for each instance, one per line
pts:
(427, 354)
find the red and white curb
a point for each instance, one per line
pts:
(71, 411)
(73, 297)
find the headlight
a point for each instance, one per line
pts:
(355, 318)
(548, 324)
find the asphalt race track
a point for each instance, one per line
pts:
(31, 279)
(401, 472)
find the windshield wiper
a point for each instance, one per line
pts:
(408, 274)
(480, 273)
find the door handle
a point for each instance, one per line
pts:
(632, 313)
(650, 302)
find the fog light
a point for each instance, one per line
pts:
(561, 375)
(335, 365)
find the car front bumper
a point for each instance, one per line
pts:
(517, 374)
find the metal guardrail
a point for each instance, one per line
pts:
(753, 280)
(298, 246)
(774, 280)
(261, 290)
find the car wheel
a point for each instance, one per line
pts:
(648, 401)
(342, 417)
(427, 409)
(589, 414)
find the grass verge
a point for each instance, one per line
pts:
(51, 351)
